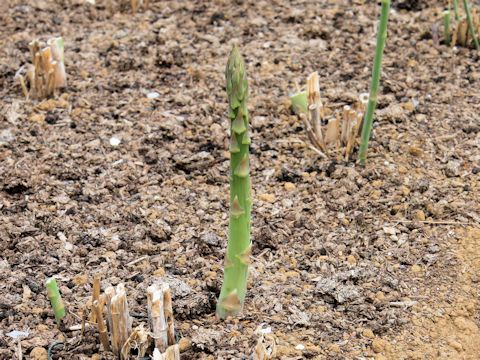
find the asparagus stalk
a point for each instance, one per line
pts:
(471, 28)
(455, 9)
(239, 245)
(377, 66)
(55, 299)
(446, 26)
(299, 102)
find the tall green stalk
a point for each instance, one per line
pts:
(446, 27)
(471, 28)
(239, 245)
(377, 68)
(455, 9)
(55, 299)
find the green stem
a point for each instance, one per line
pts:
(299, 102)
(377, 67)
(239, 245)
(55, 299)
(471, 28)
(446, 27)
(455, 9)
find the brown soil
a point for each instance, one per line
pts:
(342, 268)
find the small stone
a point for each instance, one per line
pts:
(351, 260)
(405, 190)
(270, 198)
(184, 344)
(375, 194)
(80, 279)
(114, 141)
(334, 348)
(159, 272)
(380, 296)
(38, 118)
(456, 345)
(416, 269)
(389, 230)
(378, 345)
(415, 151)
(210, 238)
(6, 136)
(452, 169)
(419, 215)
(368, 333)
(38, 353)
(289, 186)
(96, 357)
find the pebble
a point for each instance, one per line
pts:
(452, 169)
(38, 118)
(416, 269)
(289, 186)
(375, 194)
(368, 333)
(351, 260)
(378, 345)
(38, 353)
(456, 345)
(270, 198)
(80, 279)
(419, 215)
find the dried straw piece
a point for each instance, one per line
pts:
(172, 353)
(333, 132)
(168, 311)
(109, 294)
(155, 299)
(102, 329)
(315, 108)
(121, 324)
(95, 296)
(138, 340)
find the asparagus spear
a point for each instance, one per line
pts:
(239, 245)
(55, 299)
(471, 27)
(446, 27)
(377, 66)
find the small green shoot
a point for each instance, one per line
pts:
(377, 67)
(471, 27)
(55, 299)
(446, 26)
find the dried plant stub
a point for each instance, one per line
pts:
(46, 74)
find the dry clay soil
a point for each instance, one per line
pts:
(348, 262)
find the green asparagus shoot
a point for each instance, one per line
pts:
(377, 66)
(455, 9)
(232, 294)
(55, 299)
(299, 102)
(471, 28)
(446, 26)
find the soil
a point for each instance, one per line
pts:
(349, 262)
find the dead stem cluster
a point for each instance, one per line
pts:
(109, 311)
(47, 74)
(330, 131)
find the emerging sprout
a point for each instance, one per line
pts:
(464, 31)
(55, 299)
